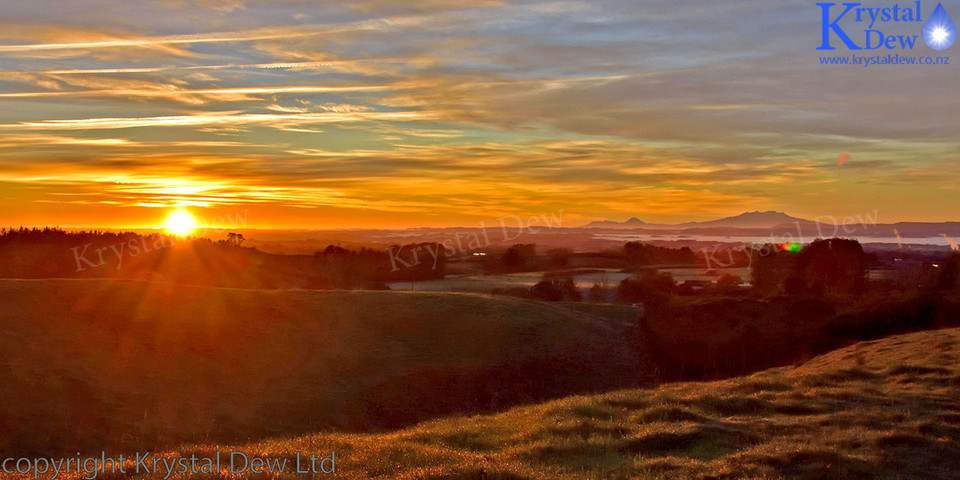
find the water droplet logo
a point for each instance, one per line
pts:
(939, 32)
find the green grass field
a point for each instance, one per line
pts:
(885, 409)
(91, 364)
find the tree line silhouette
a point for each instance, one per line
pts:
(58, 253)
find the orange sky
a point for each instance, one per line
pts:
(397, 114)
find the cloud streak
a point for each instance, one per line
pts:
(445, 112)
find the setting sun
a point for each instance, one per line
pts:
(180, 222)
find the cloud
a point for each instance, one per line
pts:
(382, 7)
(171, 92)
(112, 44)
(453, 109)
(844, 158)
(92, 40)
(216, 5)
(216, 119)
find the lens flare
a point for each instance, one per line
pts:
(789, 247)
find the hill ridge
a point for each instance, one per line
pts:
(754, 219)
(850, 413)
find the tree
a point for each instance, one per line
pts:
(518, 256)
(642, 254)
(547, 290)
(556, 290)
(559, 257)
(597, 294)
(650, 288)
(728, 282)
(832, 266)
(949, 275)
(771, 269)
(235, 239)
(570, 291)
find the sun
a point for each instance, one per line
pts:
(180, 222)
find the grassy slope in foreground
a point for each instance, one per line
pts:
(87, 365)
(882, 409)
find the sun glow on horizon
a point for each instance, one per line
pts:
(180, 222)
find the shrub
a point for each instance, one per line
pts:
(650, 288)
(597, 294)
(556, 290)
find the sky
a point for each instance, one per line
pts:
(379, 114)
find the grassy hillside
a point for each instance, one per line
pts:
(712, 338)
(91, 364)
(885, 409)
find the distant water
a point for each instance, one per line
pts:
(936, 241)
(608, 278)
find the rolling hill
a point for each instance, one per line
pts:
(884, 409)
(99, 364)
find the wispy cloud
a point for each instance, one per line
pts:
(217, 119)
(449, 110)
(202, 95)
(113, 42)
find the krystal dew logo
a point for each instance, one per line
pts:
(844, 23)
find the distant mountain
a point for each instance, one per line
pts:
(767, 219)
(632, 223)
(744, 220)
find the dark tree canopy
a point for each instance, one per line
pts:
(518, 255)
(771, 269)
(831, 266)
(556, 290)
(642, 254)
